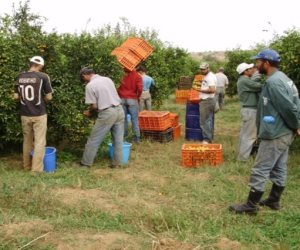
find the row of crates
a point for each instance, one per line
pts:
(132, 52)
(164, 126)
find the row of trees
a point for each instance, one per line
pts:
(22, 36)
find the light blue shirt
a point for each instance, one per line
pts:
(147, 82)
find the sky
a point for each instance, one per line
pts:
(194, 25)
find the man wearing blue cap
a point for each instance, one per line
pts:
(278, 120)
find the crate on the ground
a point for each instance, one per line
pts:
(192, 134)
(177, 131)
(174, 119)
(194, 155)
(126, 57)
(192, 109)
(192, 121)
(159, 136)
(154, 120)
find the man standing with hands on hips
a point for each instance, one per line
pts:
(278, 121)
(207, 104)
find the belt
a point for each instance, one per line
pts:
(111, 106)
(245, 106)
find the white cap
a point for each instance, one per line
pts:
(244, 66)
(38, 60)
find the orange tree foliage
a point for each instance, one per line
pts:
(22, 36)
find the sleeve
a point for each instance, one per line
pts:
(252, 86)
(47, 88)
(285, 106)
(90, 97)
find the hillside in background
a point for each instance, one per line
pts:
(208, 56)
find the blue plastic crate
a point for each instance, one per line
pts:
(193, 134)
(192, 121)
(192, 109)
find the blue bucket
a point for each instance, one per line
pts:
(126, 151)
(49, 159)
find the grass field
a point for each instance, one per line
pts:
(154, 203)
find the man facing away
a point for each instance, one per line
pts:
(130, 91)
(222, 83)
(207, 104)
(248, 91)
(101, 95)
(279, 100)
(148, 82)
(33, 89)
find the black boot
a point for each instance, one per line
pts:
(251, 206)
(274, 197)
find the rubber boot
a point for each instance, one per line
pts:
(274, 197)
(251, 206)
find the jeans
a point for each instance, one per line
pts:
(34, 138)
(131, 106)
(248, 133)
(145, 101)
(207, 113)
(271, 162)
(109, 120)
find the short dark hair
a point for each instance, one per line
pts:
(86, 71)
(141, 68)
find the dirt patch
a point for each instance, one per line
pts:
(90, 241)
(198, 176)
(28, 228)
(227, 244)
(94, 197)
(170, 244)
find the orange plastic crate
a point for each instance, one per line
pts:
(126, 57)
(177, 131)
(194, 155)
(194, 96)
(181, 100)
(174, 119)
(182, 93)
(154, 120)
(138, 46)
(198, 78)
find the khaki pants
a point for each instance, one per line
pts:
(34, 138)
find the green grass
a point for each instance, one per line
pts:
(152, 203)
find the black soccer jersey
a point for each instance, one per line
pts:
(31, 87)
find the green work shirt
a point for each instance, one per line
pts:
(248, 91)
(279, 98)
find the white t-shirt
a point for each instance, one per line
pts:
(222, 79)
(208, 81)
(101, 90)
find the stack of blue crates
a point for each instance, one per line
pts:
(192, 122)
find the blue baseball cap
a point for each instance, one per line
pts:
(268, 54)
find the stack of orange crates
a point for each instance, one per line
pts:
(182, 95)
(156, 125)
(132, 52)
(194, 155)
(175, 125)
